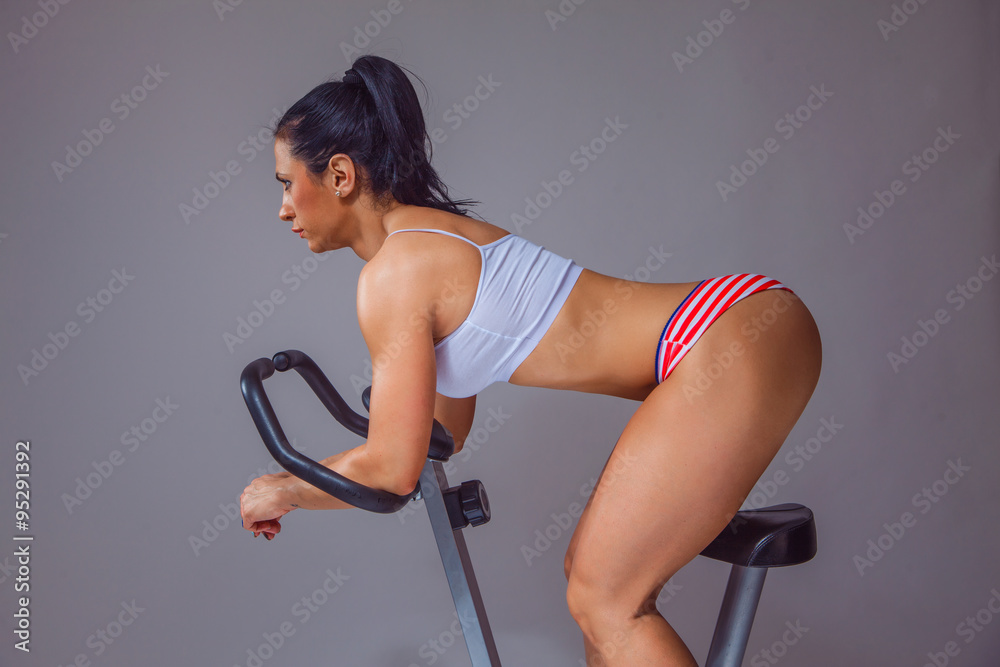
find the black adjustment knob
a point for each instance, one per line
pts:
(475, 504)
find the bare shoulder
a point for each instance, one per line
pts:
(411, 271)
(396, 280)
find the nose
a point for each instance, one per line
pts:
(285, 213)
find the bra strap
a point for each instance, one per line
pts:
(437, 231)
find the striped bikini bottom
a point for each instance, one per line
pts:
(709, 299)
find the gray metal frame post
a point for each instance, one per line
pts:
(458, 569)
(739, 604)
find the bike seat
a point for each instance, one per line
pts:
(767, 537)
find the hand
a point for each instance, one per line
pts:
(265, 501)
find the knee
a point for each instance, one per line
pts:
(601, 608)
(593, 606)
(581, 601)
(604, 622)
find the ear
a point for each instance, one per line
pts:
(340, 174)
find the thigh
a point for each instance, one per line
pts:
(682, 467)
(575, 537)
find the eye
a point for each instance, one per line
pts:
(288, 184)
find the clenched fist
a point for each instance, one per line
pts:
(265, 501)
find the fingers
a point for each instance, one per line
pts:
(268, 528)
(261, 507)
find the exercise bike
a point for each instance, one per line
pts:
(754, 541)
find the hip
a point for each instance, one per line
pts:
(612, 335)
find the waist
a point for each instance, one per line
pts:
(604, 339)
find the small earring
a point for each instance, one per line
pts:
(338, 193)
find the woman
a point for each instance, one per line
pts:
(456, 303)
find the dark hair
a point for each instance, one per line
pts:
(372, 115)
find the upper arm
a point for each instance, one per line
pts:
(392, 299)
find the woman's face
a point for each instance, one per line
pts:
(309, 204)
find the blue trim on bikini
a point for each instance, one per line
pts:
(669, 320)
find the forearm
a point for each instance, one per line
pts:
(354, 464)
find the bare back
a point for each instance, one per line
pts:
(603, 339)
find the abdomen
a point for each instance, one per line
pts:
(604, 338)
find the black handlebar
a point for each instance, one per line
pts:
(252, 379)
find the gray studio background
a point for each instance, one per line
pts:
(152, 544)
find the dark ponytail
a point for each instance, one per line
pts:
(372, 115)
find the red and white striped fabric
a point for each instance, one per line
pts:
(709, 299)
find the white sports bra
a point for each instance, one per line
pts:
(522, 287)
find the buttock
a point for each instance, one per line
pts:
(699, 309)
